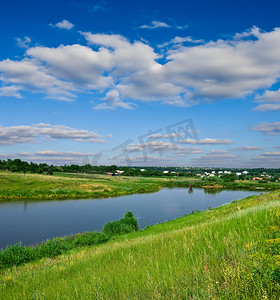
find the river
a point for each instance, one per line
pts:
(31, 222)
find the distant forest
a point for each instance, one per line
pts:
(18, 165)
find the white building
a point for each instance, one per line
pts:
(119, 171)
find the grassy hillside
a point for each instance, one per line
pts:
(17, 186)
(232, 252)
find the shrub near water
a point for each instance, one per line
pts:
(122, 226)
(18, 254)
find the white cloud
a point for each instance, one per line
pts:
(143, 161)
(63, 25)
(26, 74)
(267, 159)
(207, 141)
(269, 96)
(215, 160)
(23, 43)
(100, 6)
(51, 157)
(267, 107)
(109, 136)
(77, 64)
(271, 154)
(268, 128)
(10, 91)
(271, 100)
(112, 100)
(218, 152)
(29, 134)
(155, 24)
(178, 41)
(160, 136)
(60, 153)
(248, 148)
(161, 147)
(126, 72)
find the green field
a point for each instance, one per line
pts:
(17, 186)
(232, 252)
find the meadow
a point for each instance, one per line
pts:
(231, 252)
(20, 186)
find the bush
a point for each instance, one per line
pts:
(15, 255)
(90, 238)
(127, 224)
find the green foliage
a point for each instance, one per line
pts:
(122, 226)
(228, 177)
(215, 179)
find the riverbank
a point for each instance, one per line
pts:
(229, 252)
(19, 186)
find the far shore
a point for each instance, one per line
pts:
(19, 186)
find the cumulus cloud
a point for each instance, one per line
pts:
(267, 128)
(28, 134)
(63, 25)
(207, 141)
(155, 24)
(124, 71)
(77, 64)
(26, 74)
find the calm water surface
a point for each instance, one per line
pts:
(33, 222)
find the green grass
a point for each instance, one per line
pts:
(17, 186)
(232, 252)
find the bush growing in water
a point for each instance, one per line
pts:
(127, 224)
(18, 254)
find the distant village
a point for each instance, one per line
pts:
(203, 173)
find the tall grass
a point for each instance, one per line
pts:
(227, 253)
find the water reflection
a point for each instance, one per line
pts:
(212, 191)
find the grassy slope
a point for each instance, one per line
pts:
(17, 186)
(231, 252)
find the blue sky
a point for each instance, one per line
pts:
(168, 83)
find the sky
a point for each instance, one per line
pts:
(141, 83)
